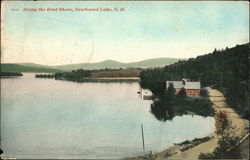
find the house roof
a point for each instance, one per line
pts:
(186, 85)
(177, 84)
(192, 85)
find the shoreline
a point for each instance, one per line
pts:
(192, 152)
(114, 78)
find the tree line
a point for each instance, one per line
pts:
(81, 74)
(10, 74)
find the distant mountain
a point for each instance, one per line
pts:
(155, 62)
(32, 67)
(100, 65)
(27, 67)
(149, 63)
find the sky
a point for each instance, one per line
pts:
(143, 30)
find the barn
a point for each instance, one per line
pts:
(192, 88)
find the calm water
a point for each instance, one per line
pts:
(46, 118)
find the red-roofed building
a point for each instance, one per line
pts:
(192, 88)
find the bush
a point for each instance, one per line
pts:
(227, 141)
(222, 121)
(228, 138)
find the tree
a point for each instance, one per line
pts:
(170, 93)
(215, 50)
(227, 141)
(182, 93)
(169, 96)
(222, 121)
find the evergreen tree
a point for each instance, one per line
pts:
(182, 93)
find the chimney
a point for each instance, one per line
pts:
(184, 82)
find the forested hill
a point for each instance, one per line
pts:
(27, 67)
(155, 62)
(226, 70)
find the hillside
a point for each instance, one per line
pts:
(226, 69)
(100, 65)
(27, 67)
(156, 62)
(128, 72)
(33, 65)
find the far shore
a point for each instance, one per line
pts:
(114, 78)
(192, 153)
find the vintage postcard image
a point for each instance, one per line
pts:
(125, 80)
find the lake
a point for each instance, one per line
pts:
(47, 118)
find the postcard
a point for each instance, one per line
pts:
(124, 80)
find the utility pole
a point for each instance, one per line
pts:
(142, 139)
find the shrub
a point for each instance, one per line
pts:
(206, 156)
(222, 121)
(227, 141)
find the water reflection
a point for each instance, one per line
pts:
(162, 111)
(9, 77)
(101, 81)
